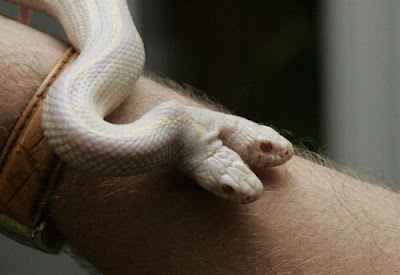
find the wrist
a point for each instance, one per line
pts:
(27, 57)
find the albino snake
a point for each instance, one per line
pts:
(210, 147)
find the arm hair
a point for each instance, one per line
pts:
(311, 219)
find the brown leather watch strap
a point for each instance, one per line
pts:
(28, 167)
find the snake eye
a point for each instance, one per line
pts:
(266, 147)
(227, 189)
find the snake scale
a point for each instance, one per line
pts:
(214, 149)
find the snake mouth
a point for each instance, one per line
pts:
(279, 154)
(230, 193)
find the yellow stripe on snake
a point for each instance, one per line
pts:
(214, 149)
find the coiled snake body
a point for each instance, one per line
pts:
(214, 149)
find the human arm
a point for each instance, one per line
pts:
(310, 219)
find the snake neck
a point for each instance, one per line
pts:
(110, 62)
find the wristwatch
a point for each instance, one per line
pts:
(28, 173)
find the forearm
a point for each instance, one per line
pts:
(310, 219)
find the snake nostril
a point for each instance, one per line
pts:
(228, 189)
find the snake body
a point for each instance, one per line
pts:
(214, 149)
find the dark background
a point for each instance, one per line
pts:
(258, 58)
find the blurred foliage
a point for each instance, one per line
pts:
(258, 58)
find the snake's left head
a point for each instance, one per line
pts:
(225, 175)
(243, 190)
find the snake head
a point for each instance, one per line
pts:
(225, 175)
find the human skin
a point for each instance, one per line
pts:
(310, 219)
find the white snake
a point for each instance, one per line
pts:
(211, 147)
